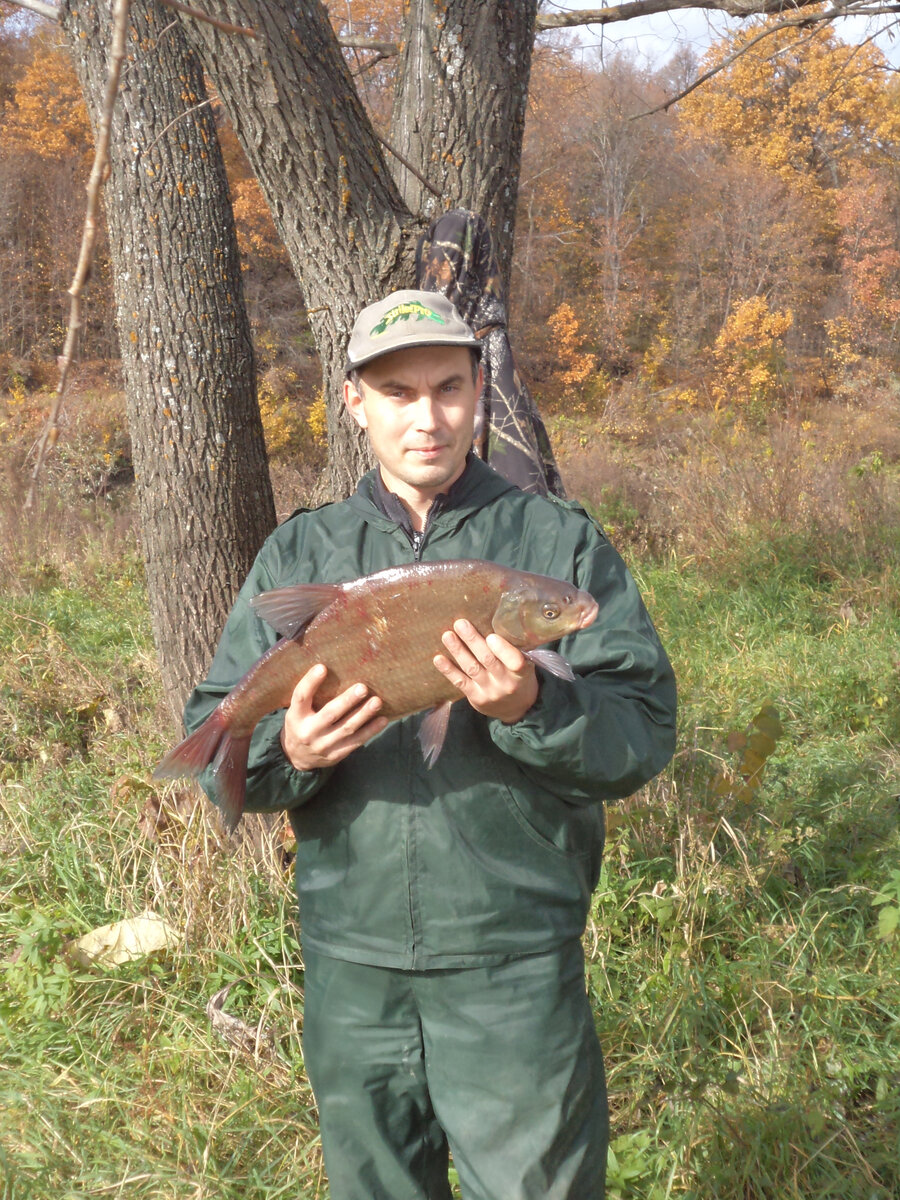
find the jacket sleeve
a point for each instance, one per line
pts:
(272, 782)
(605, 735)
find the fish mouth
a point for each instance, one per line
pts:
(589, 612)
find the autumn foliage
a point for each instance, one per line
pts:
(732, 250)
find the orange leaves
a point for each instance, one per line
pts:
(255, 229)
(576, 365)
(868, 247)
(47, 115)
(870, 262)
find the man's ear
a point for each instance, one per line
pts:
(354, 401)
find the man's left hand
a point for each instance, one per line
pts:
(494, 676)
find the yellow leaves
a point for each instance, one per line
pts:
(794, 103)
(317, 420)
(749, 356)
(47, 115)
(291, 428)
(575, 366)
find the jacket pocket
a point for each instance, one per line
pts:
(570, 831)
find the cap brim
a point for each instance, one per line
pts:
(412, 344)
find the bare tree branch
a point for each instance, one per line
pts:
(801, 20)
(399, 157)
(52, 14)
(720, 66)
(38, 6)
(612, 14)
(352, 42)
(89, 237)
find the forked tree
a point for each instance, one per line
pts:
(348, 208)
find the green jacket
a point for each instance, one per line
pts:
(495, 850)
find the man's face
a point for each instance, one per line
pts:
(418, 408)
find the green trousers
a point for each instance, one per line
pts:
(498, 1064)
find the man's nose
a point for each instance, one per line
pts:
(427, 412)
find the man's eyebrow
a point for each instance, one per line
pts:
(384, 384)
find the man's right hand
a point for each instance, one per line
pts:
(322, 737)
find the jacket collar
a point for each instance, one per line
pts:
(478, 486)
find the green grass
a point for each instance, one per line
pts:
(749, 1011)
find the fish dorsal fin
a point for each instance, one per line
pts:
(552, 662)
(432, 732)
(290, 609)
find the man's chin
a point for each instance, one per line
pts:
(433, 475)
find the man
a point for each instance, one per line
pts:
(442, 908)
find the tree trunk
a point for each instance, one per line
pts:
(349, 235)
(459, 109)
(205, 499)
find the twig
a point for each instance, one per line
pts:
(88, 240)
(174, 121)
(385, 49)
(399, 157)
(367, 66)
(38, 6)
(225, 26)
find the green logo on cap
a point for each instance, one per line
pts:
(403, 312)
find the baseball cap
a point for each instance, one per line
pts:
(403, 319)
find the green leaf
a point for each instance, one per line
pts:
(888, 920)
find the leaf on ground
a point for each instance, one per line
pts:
(124, 941)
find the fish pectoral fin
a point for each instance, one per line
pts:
(552, 662)
(432, 732)
(290, 609)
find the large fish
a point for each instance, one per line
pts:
(382, 630)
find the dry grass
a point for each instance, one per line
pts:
(695, 483)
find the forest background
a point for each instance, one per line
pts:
(705, 303)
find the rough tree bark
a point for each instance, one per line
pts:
(202, 477)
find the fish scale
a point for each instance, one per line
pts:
(382, 630)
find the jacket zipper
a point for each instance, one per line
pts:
(418, 538)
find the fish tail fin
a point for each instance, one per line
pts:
(197, 750)
(213, 743)
(230, 774)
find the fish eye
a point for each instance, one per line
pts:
(550, 612)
